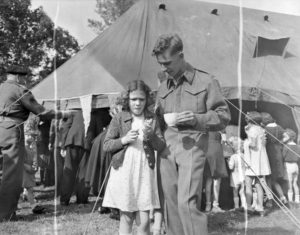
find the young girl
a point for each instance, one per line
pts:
(132, 137)
(256, 160)
(237, 176)
(291, 156)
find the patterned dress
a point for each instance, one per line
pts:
(133, 186)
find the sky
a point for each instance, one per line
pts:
(73, 15)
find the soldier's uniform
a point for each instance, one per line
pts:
(16, 103)
(182, 167)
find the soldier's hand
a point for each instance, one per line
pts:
(186, 118)
(147, 130)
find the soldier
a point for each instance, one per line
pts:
(16, 103)
(189, 104)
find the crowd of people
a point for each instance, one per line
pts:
(149, 159)
(265, 163)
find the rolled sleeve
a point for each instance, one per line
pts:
(30, 103)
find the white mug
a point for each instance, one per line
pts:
(170, 118)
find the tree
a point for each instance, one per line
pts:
(27, 39)
(109, 11)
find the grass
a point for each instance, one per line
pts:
(76, 219)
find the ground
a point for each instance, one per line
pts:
(78, 219)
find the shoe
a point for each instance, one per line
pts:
(240, 209)
(38, 209)
(114, 214)
(103, 210)
(251, 212)
(216, 209)
(259, 213)
(284, 200)
(269, 204)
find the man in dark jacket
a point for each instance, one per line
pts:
(194, 99)
(16, 103)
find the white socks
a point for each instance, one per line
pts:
(297, 198)
(290, 196)
(236, 201)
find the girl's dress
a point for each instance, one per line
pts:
(133, 186)
(255, 152)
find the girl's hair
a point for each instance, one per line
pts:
(291, 134)
(236, 143)
(134, 86)
(266, 118)
(253, 117)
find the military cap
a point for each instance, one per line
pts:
(17, 69)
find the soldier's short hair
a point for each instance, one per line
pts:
(167, 41)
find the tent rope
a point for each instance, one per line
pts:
(265, 186)
(97, 199)
(280, 204)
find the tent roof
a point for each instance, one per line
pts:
(123, 52)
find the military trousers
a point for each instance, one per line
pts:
(12, 150)
(181, 172)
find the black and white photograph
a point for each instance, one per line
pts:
(150, 117)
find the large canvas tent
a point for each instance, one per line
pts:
(211, 33)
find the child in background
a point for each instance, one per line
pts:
(237, 177)
(291, 156)
(214, 170)
(30, 168)
(256, 161)
(274, 134)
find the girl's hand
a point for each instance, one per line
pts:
(148, 131)
(130, 137)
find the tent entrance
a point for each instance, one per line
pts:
(281, 113)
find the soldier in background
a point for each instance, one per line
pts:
(16, 103)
